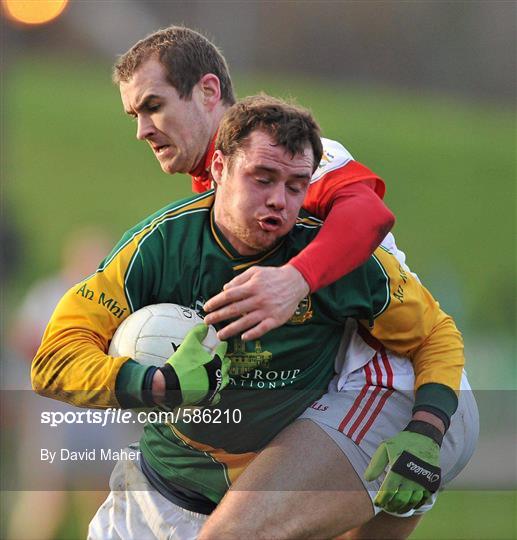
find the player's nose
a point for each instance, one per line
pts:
(145, 128)
(277, 197)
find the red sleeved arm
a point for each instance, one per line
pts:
(356, 224)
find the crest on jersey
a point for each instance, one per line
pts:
(326, 158)
(335, 155)
(303, 311)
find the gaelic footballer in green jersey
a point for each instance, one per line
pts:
(184, 254)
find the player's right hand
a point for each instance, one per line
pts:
(260, 299)
(199, 375)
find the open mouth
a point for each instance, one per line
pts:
(160, 149)
(270, 223)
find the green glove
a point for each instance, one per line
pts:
(414, 471)
(199, 374)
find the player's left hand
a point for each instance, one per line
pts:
(199, 375)
(413, 474)
(260, 299)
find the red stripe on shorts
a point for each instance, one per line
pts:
(368, 373)
(373, 416)
(357, 401)
(364, 412)
(353, 408)
(378, 371)
(387, 367)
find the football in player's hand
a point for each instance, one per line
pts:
(152, 334)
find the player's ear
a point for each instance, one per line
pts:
(218, 165)
(210, 87)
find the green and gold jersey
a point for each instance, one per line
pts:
(178, 255)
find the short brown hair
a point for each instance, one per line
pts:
(290, 126)
(186, 56)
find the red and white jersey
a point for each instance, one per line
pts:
(337, 168)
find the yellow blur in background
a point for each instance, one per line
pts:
(33, 12)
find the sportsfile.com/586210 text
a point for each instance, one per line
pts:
(188, 415)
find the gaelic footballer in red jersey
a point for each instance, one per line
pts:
(176, 85)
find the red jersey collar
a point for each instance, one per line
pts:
(201, 176)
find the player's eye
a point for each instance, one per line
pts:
(153, 108)
(264, 181)
(294, 189)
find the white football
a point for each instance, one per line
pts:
(152, 334)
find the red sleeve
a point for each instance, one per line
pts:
(322, 192)
(356, 223)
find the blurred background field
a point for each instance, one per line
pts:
(443, 139)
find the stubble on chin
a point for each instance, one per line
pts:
(260, 242)
(255, 241)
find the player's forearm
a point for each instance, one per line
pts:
(413, 325)
(435, 403)
(438, 366)
(78, 372)
(438, 363)
(356, 224)
(440, 358)
(75, 370)
(133, 385)
(430, 418)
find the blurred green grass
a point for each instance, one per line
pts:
(457, 515)
(71, 157)
(472, 515)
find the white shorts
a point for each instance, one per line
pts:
(374, 402)
(134, 510)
